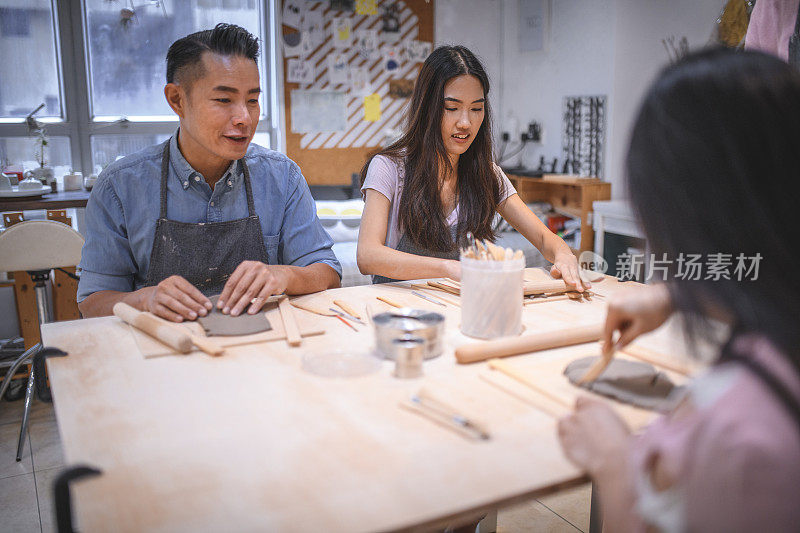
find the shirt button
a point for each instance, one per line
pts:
(230, 183)
(197, 178)
(212, 204)
(185, 183)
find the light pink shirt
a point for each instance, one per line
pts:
(736, 458)
(386, 174)
(771, 25)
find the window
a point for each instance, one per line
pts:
(98, 68)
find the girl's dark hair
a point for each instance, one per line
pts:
(184, 55)
(714, 168)
(422, 217)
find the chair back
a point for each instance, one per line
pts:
(39, 245)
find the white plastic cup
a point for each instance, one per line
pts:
(491, 297)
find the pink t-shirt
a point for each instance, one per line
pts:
(771, 25)
(385, 175)
(736, 457)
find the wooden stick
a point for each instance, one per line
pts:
(529, 301)
(453, 282)
(543, 287)
(293, 337)
(347, 309)
(649, 356)
(207, 345)
(598, 367)
(480, 351)
(388, 301)
(535, 400)
(502, 366)
(445, 288)
(311, 308)
(496, 253)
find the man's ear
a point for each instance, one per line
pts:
(176, 98)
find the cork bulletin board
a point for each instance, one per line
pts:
(349, 68)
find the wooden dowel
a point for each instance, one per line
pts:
(347, 308)
(445, 287)
(502, 366)
(390, 302)
(649, 356)
(480, 351)
(148, 323)
(311, 308)
(293, 337)
(207, 345)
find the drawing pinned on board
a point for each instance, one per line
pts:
(401, 88)
(366, 44)
(359, 81)
(299, 71)
(391, 19)
(341, 29)
(296, 44)
(343, 5)
(418, 51)
(372, 107)
(292, 13)
(391, 59)
(337, 68)
(314, 27)
(318, 111)
(366, 7)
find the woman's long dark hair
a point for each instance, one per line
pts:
(714, 167)
(422, 217)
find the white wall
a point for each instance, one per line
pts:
(610, 47)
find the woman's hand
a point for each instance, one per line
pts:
(634, 313)
(594, 437)
(566, 266)
(452, 269)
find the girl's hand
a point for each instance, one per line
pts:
(634, 313)
(594, 437)
(566, 266)
(452, 269)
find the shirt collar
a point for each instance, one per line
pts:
(187, 175)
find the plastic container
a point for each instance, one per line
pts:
(491, 297)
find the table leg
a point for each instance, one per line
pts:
(595, 519)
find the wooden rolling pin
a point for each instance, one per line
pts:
(546, 286)
(480, 351)
(172, 336)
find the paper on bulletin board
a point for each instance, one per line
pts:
(372, 107)
(338, 68)
(391, 58)
(292, 13)
(359, 81)
(366, 7)
(318, 111)
(418, 51)
(314, 27)
(296, 44)
(341, 32)
(366, 44)
(532, 19)
(300, 71)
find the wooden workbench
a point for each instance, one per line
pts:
(249, 441)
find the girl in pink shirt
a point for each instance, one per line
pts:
(713, 168)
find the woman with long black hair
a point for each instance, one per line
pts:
(438, 182)
(713, 169)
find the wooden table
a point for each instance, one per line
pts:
(56, 200)
(250, 441)
(571, 195)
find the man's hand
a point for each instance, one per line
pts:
(175, 299)
(566, 266)
(250, 285)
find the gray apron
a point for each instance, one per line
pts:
(794, 43)
(405, 245)
(206, 254)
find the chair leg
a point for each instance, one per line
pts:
(23, 430)
(22, 359)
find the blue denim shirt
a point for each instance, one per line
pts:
(123, 209)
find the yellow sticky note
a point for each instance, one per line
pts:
(372, 107)
(366, 7)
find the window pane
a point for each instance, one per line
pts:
(28, 72)
(127, 51)
(108, 148)
(24, 151)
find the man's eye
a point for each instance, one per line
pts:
(253, 101)
(222, 100)
(478, 110)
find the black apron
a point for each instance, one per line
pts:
(405, 245)
(206, 254)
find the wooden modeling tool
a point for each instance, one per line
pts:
(347, 308)
(427, 405)
(598, 367)
(293, 337)
(173, 336)
(389, 302)
(311, 308)
(505, 368)
(445, 287)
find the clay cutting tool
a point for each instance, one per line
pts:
(347, 316)
(429, 298)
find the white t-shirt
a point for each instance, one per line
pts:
(386, 174)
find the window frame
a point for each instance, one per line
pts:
(77, 122)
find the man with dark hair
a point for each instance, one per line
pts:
(205, 212)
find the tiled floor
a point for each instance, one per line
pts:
(26, 487)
